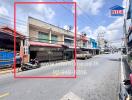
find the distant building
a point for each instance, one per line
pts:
(93, 43)
(103, 44)
(83, 41)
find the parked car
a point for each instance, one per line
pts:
(83, 55)
(106, 52)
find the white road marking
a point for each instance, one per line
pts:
(4, 95)
(71, 96)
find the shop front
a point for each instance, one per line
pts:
(46, 52)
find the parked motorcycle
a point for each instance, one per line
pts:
(126, 89)
(33, 64)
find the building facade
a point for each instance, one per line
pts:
(49, 42)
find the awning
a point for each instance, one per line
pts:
(44, 44)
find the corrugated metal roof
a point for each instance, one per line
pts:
(10, 31)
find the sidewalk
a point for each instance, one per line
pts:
(45, 65)
(125, 71)
(7, 71)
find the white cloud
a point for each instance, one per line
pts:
(90, 33)
(4, 11)
(112, 32)
(93, 33)
(115, 30)
(100, 29)
(73, 30)
(89, 6)
(87, 29)
(117, 24)
(40, 11)
(66, 27)
(45, 10)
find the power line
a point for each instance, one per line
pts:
(12, 22)
(86, 15)
(11, 25)
(69, 10)
(10, 19)
(13, 18)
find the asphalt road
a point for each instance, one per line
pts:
(97, 79)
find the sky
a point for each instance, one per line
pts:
(93, 16)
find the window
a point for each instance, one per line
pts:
(68, 42)
(43, 37)
(84, 44)
(54, 39)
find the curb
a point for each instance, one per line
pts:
(122, 69)
(7, 71)
(125, 70)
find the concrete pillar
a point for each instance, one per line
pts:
(60, 39)
(21, 43)
(63, 39)
(50, 33)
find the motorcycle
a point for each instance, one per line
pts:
(125, 90)
(33, 64)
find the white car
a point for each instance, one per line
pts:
(83, 55)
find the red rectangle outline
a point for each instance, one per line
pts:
(75, 25)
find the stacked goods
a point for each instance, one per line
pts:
(6, 58)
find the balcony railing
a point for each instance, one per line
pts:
(68, 44)
(45, 40)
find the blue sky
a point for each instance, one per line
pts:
(94, 16)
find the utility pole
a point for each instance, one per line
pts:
(124, 28)
(125, 35)
(100, 39)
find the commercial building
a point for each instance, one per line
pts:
(88, 44)
(48, 42)
(94, 45)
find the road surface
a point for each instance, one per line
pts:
(98, 79)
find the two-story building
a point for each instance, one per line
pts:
(83, 41)
(94, 45)
(48, 42)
